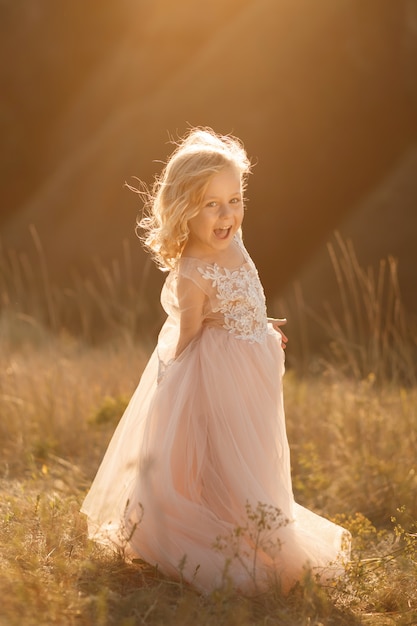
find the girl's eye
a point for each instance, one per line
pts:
(214, 203)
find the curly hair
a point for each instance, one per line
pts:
(177, 194)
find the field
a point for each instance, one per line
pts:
(352, 427)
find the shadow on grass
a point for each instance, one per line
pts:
(116, 592)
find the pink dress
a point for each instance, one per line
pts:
(196, 479)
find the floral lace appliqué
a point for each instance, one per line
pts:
(241, 300)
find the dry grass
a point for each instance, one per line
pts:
(354, 449)
(109, 303)
(364, 329)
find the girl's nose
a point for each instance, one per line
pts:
(225, 210)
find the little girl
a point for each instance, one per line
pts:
(196, 479)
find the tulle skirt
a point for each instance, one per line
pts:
(196, 479)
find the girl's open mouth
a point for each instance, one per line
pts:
(222, 233)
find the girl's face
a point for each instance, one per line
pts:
(221, 214)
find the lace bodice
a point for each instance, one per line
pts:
(240, 300)
(235, 299)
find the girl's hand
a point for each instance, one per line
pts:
(276, 324)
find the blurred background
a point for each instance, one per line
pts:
(322, 93)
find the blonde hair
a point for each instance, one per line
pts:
(177, 193)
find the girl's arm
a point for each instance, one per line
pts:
(191, 302)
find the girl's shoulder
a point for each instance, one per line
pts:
(188, 266)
